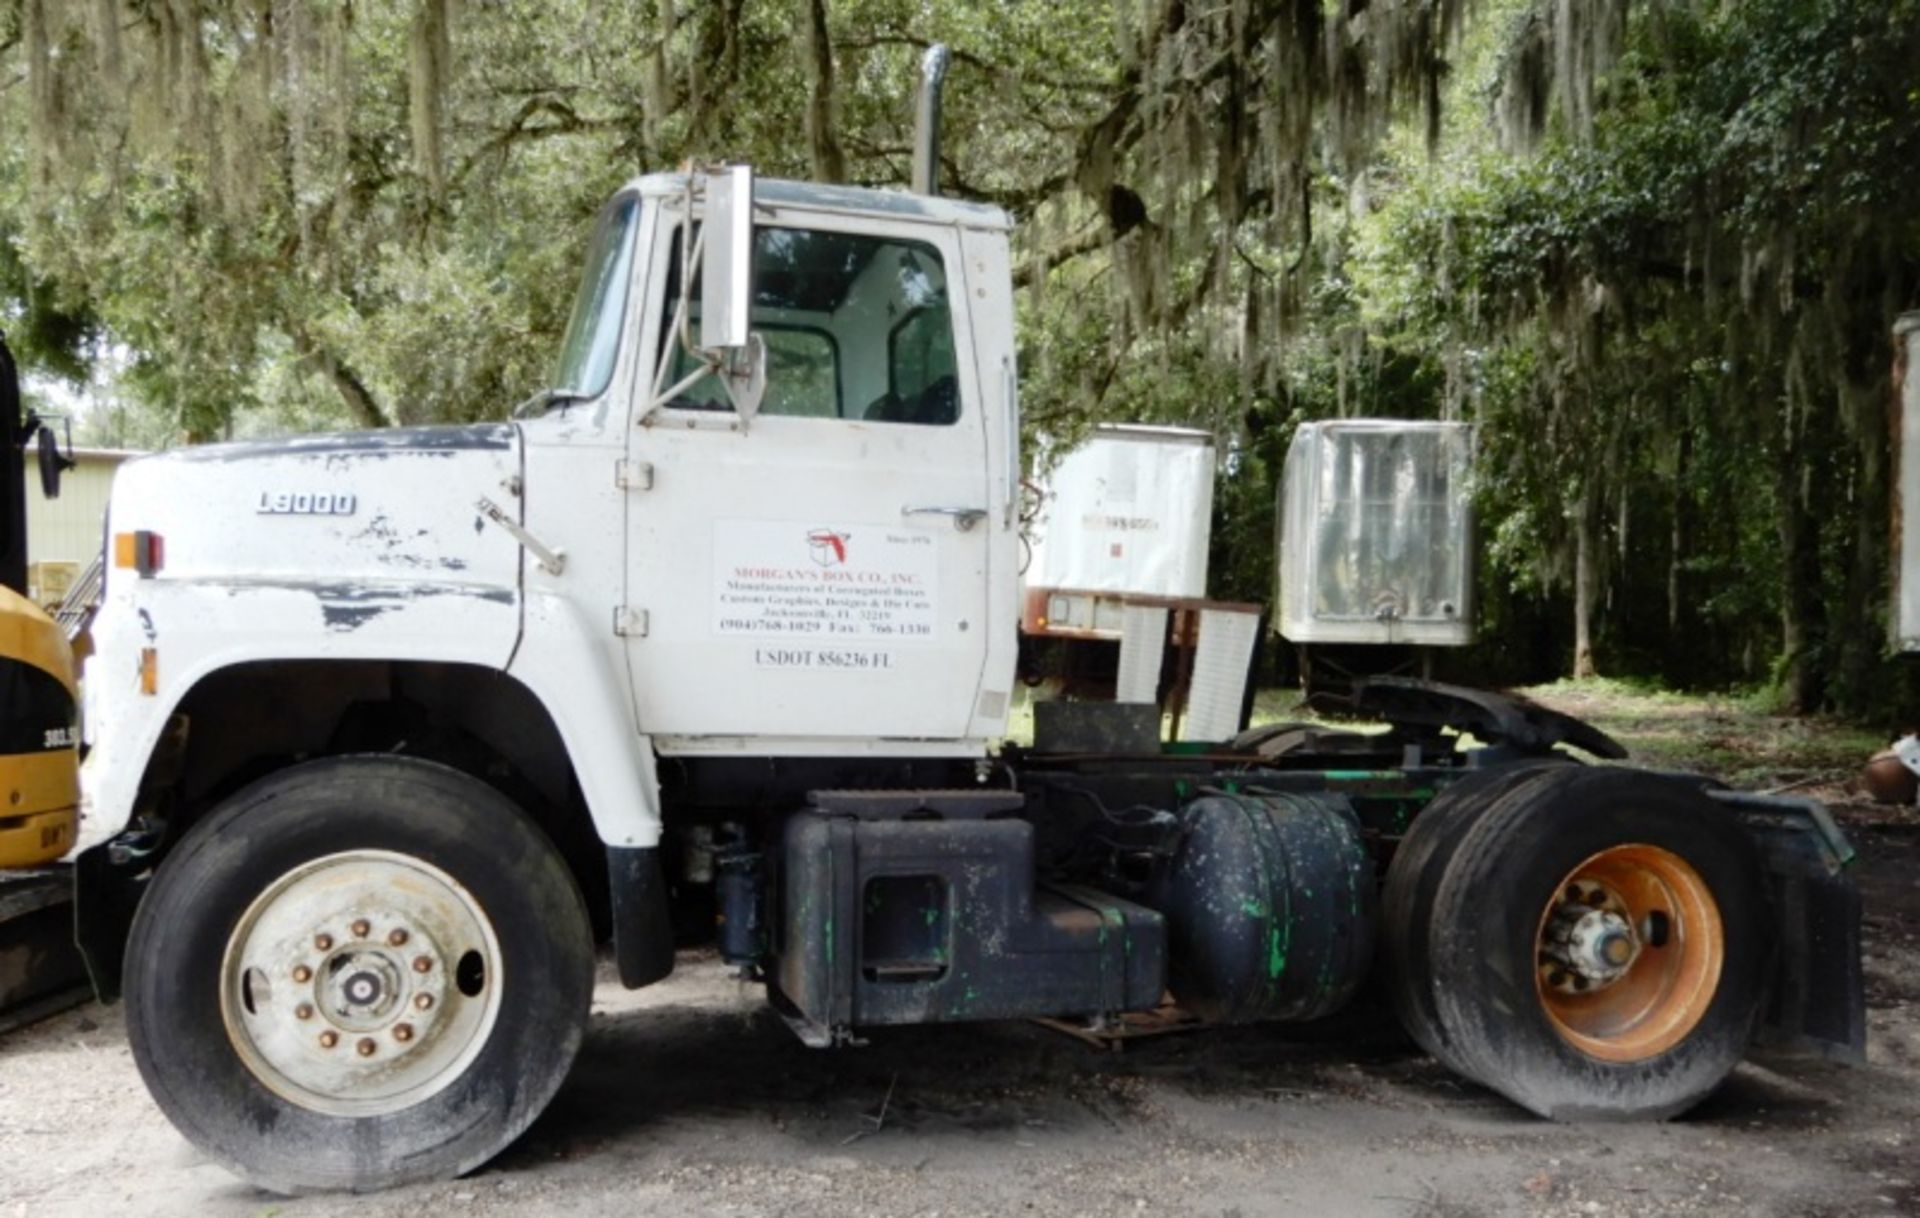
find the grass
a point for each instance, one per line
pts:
(1731, 736)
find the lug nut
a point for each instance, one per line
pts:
(403, 1032)
(423, 1002)
(329, 1039)
(303, 1011)
(396, 938)
(302, 973)
(323, 943)
(362, 928)
(366, 1047)
(423, 964)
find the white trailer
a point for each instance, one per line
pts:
(387, 729)
(1126, 513)
(1376, 533)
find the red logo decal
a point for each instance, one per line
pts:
(828, 548)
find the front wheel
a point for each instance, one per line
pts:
(359, 973)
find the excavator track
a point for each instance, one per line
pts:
(41, 971)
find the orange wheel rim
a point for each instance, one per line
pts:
(1628, 953)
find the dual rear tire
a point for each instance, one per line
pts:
(1592, 943)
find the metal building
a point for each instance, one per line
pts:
(63, 535)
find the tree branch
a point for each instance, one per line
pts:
(829, 162)
(565, 121)
(897, 38)
(1093, 239)
(346, 382)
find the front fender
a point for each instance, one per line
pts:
(193, 630)
(571, 667)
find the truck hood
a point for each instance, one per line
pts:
(351, 512)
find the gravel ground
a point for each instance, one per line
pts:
(691, 1098)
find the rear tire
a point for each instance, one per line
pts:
(1413, 880)
(358, 973)
(1602, 940)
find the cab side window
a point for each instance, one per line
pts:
(856, 327)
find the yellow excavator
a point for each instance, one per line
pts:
(40, 969)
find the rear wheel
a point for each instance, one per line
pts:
(1601, 942)
(1413, 880)
(358, 973)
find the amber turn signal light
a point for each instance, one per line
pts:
(140, 550)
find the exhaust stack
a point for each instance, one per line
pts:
(926, 120)
(1906, 483)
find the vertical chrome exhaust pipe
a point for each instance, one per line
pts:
(926, 120)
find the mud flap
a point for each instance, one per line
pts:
(642, 919)
(1817, 1000)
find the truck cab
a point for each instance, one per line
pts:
(837, 569)
(832, 574)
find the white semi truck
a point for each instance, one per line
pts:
(388, 730)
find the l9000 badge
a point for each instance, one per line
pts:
(301, 503)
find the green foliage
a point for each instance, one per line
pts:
(1653, 250)
(1678, 320)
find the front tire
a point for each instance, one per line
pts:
(358, 973)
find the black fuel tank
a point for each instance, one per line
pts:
(1270, 907)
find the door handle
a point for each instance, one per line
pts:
(964, 518)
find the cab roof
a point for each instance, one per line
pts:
(886, 204)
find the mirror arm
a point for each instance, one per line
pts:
(683, 319)
(679, 387)
(681, 329)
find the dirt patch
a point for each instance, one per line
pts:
(691, 1098)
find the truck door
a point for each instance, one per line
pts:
(818, 573)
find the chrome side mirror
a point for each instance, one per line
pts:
(726, 272)
(727, 347)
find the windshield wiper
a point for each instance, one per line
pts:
(546, 400)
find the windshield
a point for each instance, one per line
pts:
(593, 335)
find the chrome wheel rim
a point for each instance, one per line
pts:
(361, 983)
